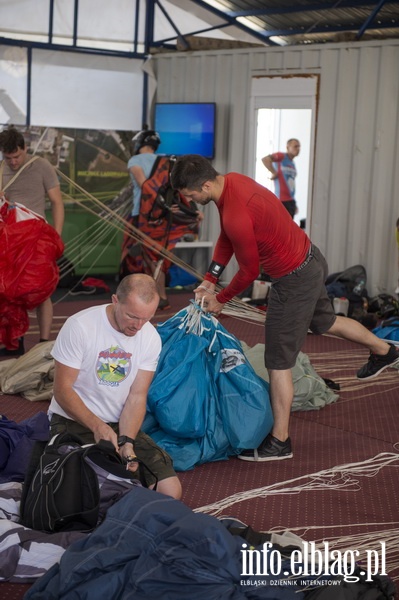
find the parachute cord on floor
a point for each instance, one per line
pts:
(349, 361)
(343, 477)
(363, 542)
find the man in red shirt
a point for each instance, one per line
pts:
(259, 231)
(282, 167)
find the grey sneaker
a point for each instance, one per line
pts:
(270, 449)
(378, 363)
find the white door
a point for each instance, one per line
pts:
(284, 108)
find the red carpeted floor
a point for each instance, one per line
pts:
(361, 425)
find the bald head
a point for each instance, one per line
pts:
(143, 286)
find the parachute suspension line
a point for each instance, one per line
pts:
(121, 224)
(236, 307)
(343, 477)
(92, 235)
(362, 541)
(40, 140)
(98, 256)
(346, 361)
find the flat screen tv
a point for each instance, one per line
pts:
(186, 128)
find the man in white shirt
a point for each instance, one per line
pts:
(105, 359)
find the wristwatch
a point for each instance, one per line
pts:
(124, 439)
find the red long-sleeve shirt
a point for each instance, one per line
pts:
(257, 228)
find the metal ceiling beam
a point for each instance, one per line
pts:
(233, 22)
(149, 25)
(180, 36)
(370, 19)
(227, 20)
(230, 18)
(29, 86)
(199, 31)
(75, 22)
(65, 48)
(302, 8)
(51, 21)
(284, 32)
(136, 26)
(322, 29)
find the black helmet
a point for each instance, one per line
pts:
(384, 305)
(147, 137)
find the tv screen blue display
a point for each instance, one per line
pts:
(186, 128)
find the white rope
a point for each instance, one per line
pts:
(363, 541)
(336, 478)
(348, 361)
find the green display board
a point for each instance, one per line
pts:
(92, 248)
(95, 160)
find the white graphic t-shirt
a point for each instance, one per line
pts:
(108, 361)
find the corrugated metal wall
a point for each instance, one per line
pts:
(356, 169)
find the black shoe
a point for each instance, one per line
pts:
(270, 449)
(163, 304)
(378, 363)
(16, 352)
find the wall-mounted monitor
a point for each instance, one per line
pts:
(186, 128)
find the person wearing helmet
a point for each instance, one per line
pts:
(140, 165)
(145, 143)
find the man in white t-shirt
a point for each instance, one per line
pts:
(105, 359)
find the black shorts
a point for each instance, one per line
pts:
(145, 448)
(297, 302)
(290, 205)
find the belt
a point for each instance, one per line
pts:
(305, 262)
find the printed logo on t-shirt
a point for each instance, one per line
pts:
(113, 366)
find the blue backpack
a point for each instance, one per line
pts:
(388, 330)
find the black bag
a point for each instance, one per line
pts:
(62, 493)
(158, 196)
(384, 306)
(350, 284)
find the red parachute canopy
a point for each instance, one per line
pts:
(29, 249)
